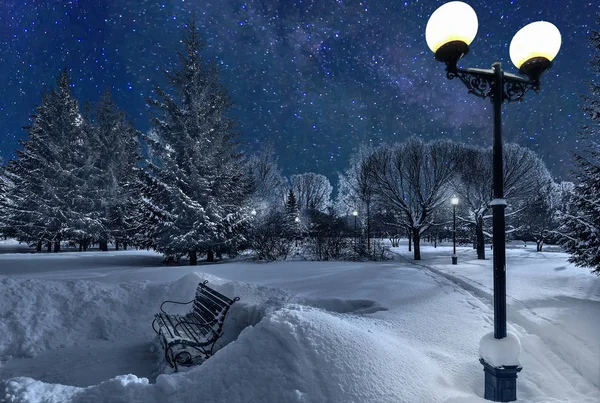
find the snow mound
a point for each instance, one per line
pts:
(500, 352)
(294, 354)
(39, 315)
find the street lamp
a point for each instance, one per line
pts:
(297, 221)
(253, 212)
(355, 214)
(454, 202)
(449, 32)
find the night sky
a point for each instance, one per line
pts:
(317, 78)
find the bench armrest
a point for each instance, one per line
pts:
(174, 302)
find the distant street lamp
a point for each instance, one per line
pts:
(297, 220)
(454, 202)
(450, 30)
(253, 212)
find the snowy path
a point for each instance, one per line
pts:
(546, 322)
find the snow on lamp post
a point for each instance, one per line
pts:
(449, 32)
(454, 202)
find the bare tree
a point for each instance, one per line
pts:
(524, 175)
(414, 178)
(313, 191)
(474, 189)
(268, 188)
(358, 189)
(542, 218)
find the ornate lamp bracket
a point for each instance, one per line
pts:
(481, 83)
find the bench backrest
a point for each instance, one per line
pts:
(211, 306)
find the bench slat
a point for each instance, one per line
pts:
(201, 327)
(217, 296)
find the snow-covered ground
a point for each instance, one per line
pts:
(75, 327)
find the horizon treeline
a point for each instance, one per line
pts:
(86, 176)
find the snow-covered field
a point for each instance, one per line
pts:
(75, 327)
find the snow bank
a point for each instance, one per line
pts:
(40, 315)
(294, 354)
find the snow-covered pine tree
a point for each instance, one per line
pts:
(44, 173)
(581, 225)
(115, 164)
(84, 224)
(292, 228)
(5, 185)
(194, 183)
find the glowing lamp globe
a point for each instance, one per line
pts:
(454, 200)
(533, 48)
(450, 30)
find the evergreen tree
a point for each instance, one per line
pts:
(114, 166)
(194, 184)
(44, 173)
(5, 205)
(581, 225)
(292, 227)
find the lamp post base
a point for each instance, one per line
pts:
(454, 259)
(500, 382)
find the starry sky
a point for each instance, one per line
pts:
(316, 78)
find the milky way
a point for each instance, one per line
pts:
(315, 78)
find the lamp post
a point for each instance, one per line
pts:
(297, 221)
(454, 202)
(450, 30)
(355, 214)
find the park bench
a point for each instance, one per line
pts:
(185, 338)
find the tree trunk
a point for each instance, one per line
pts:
(38, 247)
(124, 245)
(49, 246)
(480, 239)
(57, 246)
(80, 246)
(417, 241)
(103, 244)
(539, 244)
(86, 244)
(116, 244)
(409, 241)
(210, 256)
(193, 258)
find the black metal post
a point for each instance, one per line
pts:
(501, 381)
(454, 257)
(498, 206)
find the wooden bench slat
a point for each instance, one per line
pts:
(207, 316)
(218, 296)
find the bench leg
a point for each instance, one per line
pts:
(153, 322)
(169, 358)
(183, 358)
